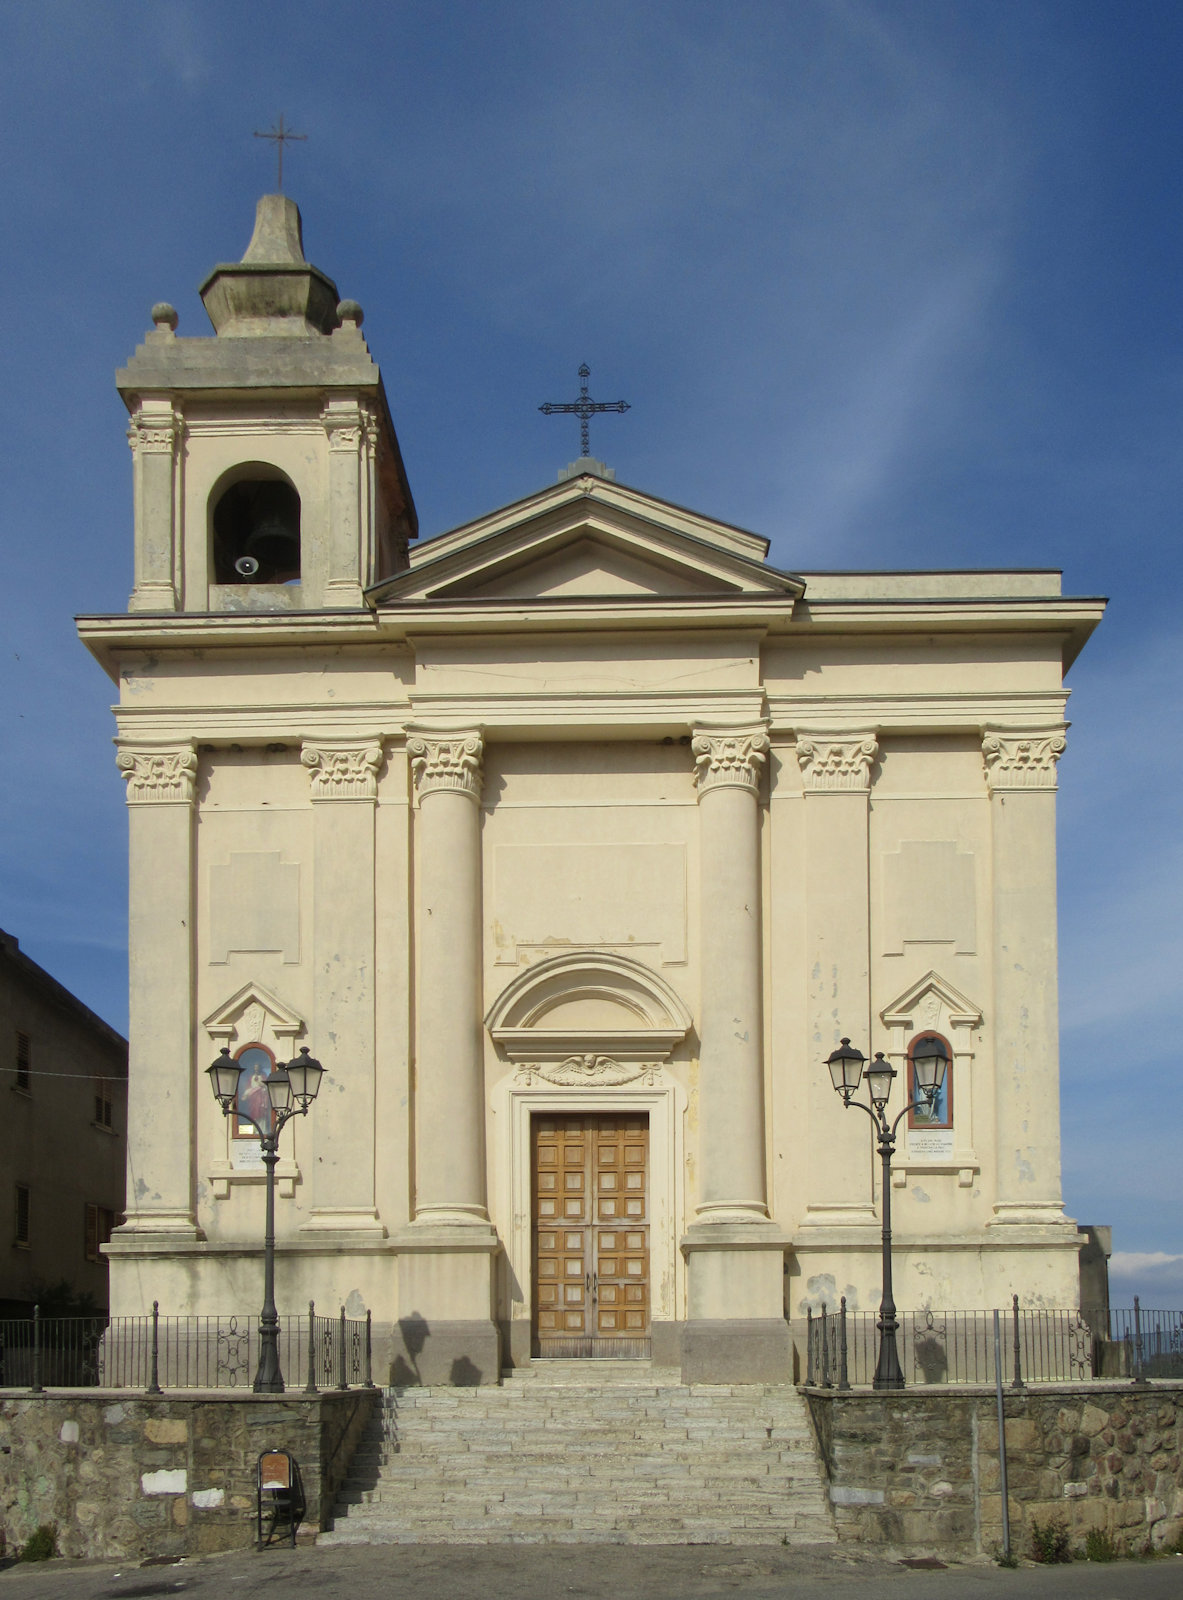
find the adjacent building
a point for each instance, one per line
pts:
(63, 1141)
(572, 841)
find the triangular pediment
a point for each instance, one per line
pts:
(589, 539)
(927, 1001)
(251, 1013)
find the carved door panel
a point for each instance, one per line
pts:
(591, 1235)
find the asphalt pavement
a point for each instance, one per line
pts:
(585, 1572)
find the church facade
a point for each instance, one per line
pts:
(571, 841)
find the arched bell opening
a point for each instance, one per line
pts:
(255, 527)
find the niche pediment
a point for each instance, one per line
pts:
(930, 1001)
(253, 1015)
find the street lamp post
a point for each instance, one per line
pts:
(291, 1089)
(929, 1063)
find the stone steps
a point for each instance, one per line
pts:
(586, 1453)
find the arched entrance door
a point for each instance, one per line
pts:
(589, 1143)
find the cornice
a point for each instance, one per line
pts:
(1014, 610)
(658, 711)
(948, 710)
(1070, 618)
(272, 723)
(621, 613)
(653, 713)
(255, 630)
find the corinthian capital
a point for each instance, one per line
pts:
(343, 771)
(158, 775)
(1022, 760)
(343, 424)
(728, 759)
(835, 763)
(447, 761)
(154, 431)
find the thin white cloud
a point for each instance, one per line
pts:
(850, 455)
(1155, 1276)
(176, 32)
(1121, 854)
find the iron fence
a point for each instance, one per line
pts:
(1038, 1346)
(51, 1352)
(155, 1352)
(1137, 1344)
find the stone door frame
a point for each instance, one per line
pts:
(659, 1096)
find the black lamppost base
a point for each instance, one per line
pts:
(887, 1382)
(888, 1372)
(269, 1377)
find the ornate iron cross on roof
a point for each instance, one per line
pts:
(281, 135)
(584, 408)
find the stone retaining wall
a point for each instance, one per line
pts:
(919, 1469)
(122, 1474)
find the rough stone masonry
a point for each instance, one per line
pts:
(920, 1469)
(121, 1474)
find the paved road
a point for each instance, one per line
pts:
(586, 1572)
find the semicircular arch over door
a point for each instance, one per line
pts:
(587, 1153)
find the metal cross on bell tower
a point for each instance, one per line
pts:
(281, 135)
(584, 408)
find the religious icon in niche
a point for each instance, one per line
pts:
(940, 1114)
(255, 1066)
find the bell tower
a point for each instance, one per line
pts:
(268, 475)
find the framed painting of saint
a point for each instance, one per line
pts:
(255, 1065)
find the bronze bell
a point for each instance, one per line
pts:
(273, 534)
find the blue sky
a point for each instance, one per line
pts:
(897, 285)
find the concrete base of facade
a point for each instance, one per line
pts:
(966, 1271)
(517, 1344)
(448, 1333)
(434, 1351)
(517, 1338)
(667, 1343)
(749, 1350)
(736, 1331)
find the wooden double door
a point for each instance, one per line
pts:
(591, 1235)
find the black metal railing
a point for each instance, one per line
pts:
(1137, 1343)
(1037, 1345)
(51, 1352)
(155, 1352)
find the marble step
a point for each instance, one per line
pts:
(549, 1459)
